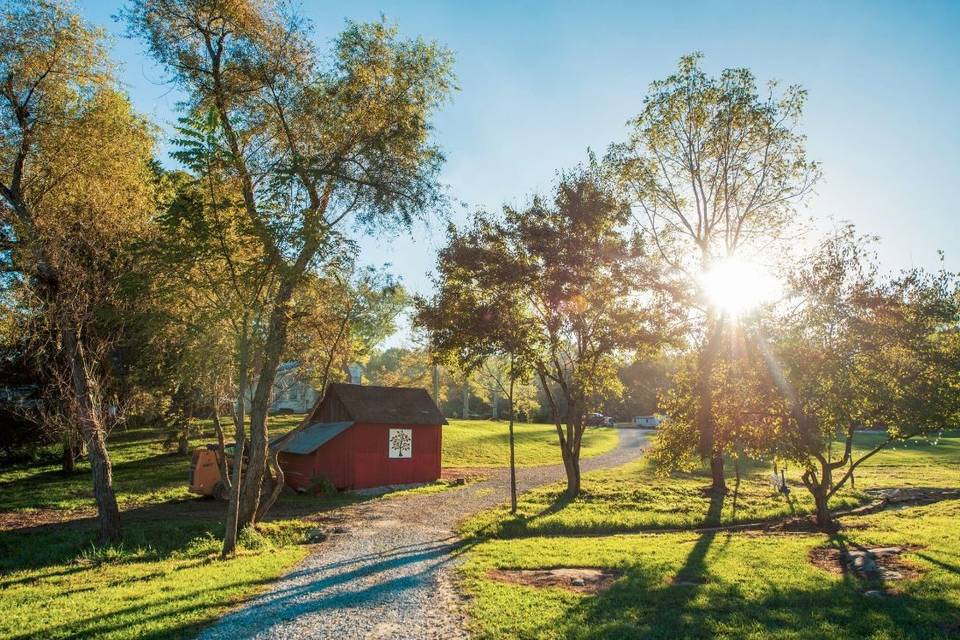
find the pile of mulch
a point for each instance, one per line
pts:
(579, 580)
(879, 563)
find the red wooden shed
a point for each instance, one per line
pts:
(363, 436)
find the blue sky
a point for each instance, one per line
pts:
(540, 82)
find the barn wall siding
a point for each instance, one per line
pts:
(359, 458)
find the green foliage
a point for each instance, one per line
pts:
(557, 288)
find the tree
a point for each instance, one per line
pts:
(309, 142)
(77, 191)
(343, 315)
(563, 272)
(480, 324)
(859, 349)
(714, 170)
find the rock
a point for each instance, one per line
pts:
(873, 593)
(459, 482)
(316, 535)
(888, 574)
(577, 582)
(864, 564)
(885, 551)
(340, 530)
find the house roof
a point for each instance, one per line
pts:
(309, 438)
(384, 405)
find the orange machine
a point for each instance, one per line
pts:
(205, 476)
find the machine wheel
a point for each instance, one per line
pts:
(220, 491)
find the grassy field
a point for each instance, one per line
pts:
(164, 580)
(634, 498)
(719, 584)
(144, 472)
(483, 443)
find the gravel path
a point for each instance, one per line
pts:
(384, 573)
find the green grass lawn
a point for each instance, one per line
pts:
(164, 580)
(635, 498)
(144, 472)
(484, 443)
(736, 585)
(732, 585)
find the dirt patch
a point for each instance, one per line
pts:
(914, 495)
(878, 563)
(23, 519)
(579, 580)
(467, 474)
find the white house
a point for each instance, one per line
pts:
(292, 391)
(649, 422)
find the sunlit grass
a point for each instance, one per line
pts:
(484, 443)
(635, 498)
(731, 585)
(163, 581)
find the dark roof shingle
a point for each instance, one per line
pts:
(383, 405)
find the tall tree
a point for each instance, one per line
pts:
(479, 324)
(586, 293)
(311, 141)
(714, 170)
(76, 191)
(860, 349)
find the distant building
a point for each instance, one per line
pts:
(293, 391)
(649, 422)
(355, 369)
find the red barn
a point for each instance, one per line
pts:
(362, 436)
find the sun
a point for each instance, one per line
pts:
(737, 287)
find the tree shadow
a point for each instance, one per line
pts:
(648, 603)
(639, 606)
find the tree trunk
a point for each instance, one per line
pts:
(718, 483)
(494, 409)
(272, 349)
(108, 514)
(221, 446)
(278, 481)
(233, 505)
(68, 463)
(183, 442)
(569, 452)
(821, 497)
(571, 465)
(705, 422)
(436, 384)
(513, 460)
(232, 521)
(107, 510)
(466, 398)
(824, 519)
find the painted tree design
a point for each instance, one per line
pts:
(401, 442)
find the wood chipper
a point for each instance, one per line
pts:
(205, 478)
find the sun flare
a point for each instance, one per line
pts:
(737, 287)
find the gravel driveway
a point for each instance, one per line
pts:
(385, 571)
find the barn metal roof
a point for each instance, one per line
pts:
(385, 405)
(311, 437)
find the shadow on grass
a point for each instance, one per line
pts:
(641, 606)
